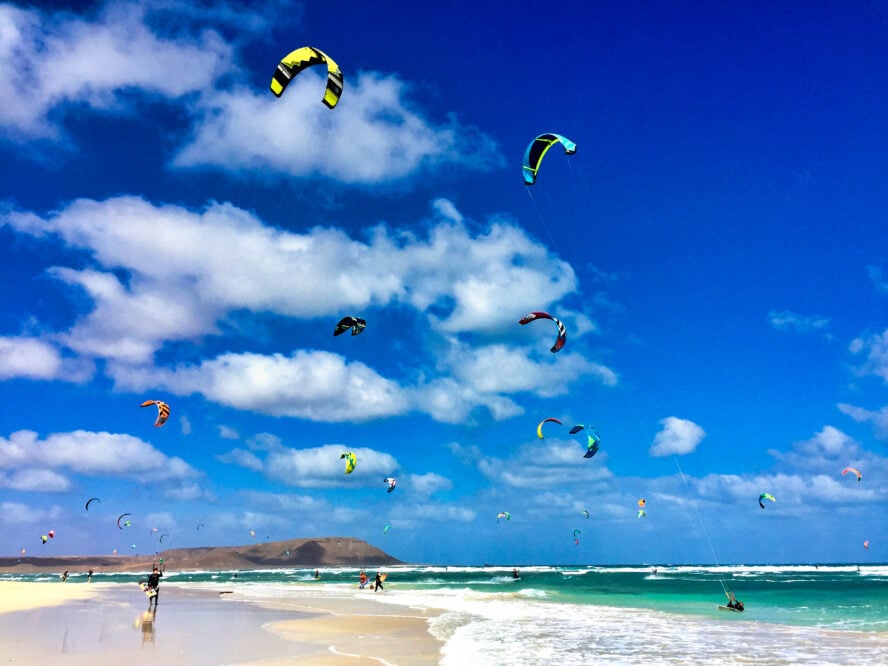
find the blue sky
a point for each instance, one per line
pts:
(716, 249)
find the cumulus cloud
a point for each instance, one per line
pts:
(104, 58)
(875, 350)
(879, 418)
(317, 467)
(678, 437)
(373, 136)
(427, 484)
(34, 358)
(89, 454)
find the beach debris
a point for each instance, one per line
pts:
(391, 483)
(350, 461)
(90, 501)
(854, 471)
(298, 60)
(766, 496)
(125, 523)
(163, 411)
(356, 324)
(537, 149)
(562, 332)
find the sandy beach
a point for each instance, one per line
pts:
(108, 623)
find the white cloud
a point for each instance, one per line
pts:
(879, 418)
(678, 437)
(17, 513)
(875, 348)
(319, 467)
(37, 359)
(427, 484)
(878, 278)
(791, 321)
(92, 454)
(51, 61)
(372, 136)
(36, 480)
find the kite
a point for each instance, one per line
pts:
(641, 514)
(537, 149)
(350, 461)
(253, 533)
(44, 538)
(161, 538)
(126, 522)
(296, 61)
(386, 528)
(540, 426)
(23, 551)
(199, 525)
(49, 535)
(354, 323)
(585, 513)
(577, 533)
(503, 514)
(562, 333)
(163, 411)
(90, 500)
(642, 502)
(865, 545)
(593, 439)
(391, 483)
(851, 469)
(767, 496)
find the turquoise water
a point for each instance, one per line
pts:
(826, 596)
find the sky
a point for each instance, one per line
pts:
(715, 247)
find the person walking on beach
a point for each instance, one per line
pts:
(377, 584)
(363, 579)
(153, 587)
(65, 576)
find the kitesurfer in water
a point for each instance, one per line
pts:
(733, 603)
(363, 579)
(514, 573)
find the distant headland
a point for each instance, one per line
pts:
(313, 552)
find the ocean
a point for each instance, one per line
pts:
(795, 614)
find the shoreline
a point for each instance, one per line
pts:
(108, 623)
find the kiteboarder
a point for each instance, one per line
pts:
(153, 587)
(363, 579)
(733, 603)
(377, 584)
(515, 573)
(89, 576)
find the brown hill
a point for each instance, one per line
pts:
(325, 551)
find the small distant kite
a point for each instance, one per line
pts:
(126, 523)
(350, 461)
(386, 528)
(504, 515)
(163, 411)
(585, 513)
(766, 496)
(49, 535)
(577, 533)
(90, 501)
(866, 544)
(562, 332)
(642, 502)
(540, 426)
(253, 533)
(356, 325)
(854, 471)
(391, 483)
(641, 514)
(199, 525)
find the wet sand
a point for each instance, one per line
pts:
(108, 623)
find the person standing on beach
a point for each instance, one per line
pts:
(377, 584)
(363, 579)
(154, 587)
(89, 576)
(65, 576)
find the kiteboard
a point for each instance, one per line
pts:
(148, 591)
